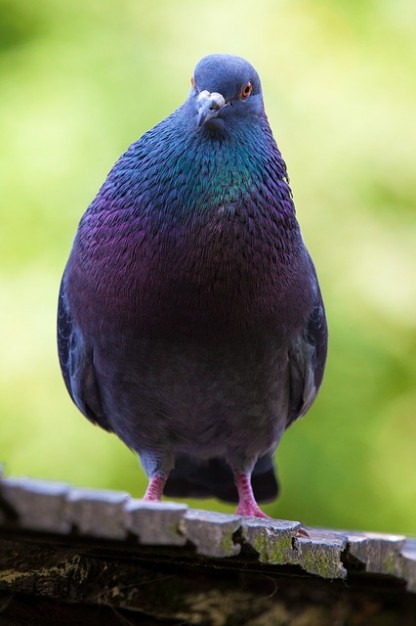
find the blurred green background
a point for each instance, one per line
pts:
(79, 81)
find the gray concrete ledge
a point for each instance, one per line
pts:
(55, 508)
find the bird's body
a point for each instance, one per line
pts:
(190, 318)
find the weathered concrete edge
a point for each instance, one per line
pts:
(45, 506)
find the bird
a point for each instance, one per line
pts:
(190, 318)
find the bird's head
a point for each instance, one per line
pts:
(225, 90)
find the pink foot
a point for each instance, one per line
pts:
(247, 504)
(251, 511)
(155, 488)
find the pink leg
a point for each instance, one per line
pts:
(155, 488)
(247, 504)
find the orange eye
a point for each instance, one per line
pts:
(193, 81)
(246, 91)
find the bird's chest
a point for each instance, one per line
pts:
(223, 268)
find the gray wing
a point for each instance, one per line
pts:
(77, 364)
(307, 356)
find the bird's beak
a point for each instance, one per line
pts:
(208, 106)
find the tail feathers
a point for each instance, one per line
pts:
(213, 478)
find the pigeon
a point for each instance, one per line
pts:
(190, 318)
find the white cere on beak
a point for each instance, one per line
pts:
(217, 100)
(209, 104)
